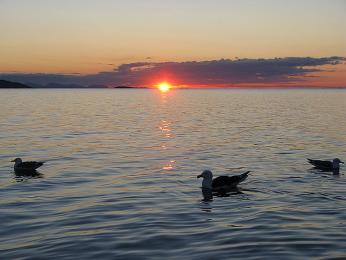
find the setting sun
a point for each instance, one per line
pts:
(164, 86)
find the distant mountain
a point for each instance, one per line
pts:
(58, 85)
(123, 87)
(97, 86)
(128, 87)
(11, 84)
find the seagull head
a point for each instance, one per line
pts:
(336, 163)
(207, 179)
(206, 174)
(337, 160)
(17, 160)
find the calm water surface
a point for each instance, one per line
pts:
(120, 178)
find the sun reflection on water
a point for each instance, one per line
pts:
(166, 131)
(169, 166)
(165, 127)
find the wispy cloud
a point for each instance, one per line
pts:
(224, 72)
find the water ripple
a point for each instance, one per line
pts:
(120, 178)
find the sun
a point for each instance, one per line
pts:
(164, 86)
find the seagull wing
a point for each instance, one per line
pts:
(31, 165)
(229, 181)
(239, 178)
(220, 181)
(321, 164)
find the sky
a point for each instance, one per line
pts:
(94, 41)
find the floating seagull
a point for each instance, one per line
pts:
(221, 184)
(21, 166)
(333, 166)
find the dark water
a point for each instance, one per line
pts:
(120, 178)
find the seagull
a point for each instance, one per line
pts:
(21, 166)
(326, 165)
(221, 184)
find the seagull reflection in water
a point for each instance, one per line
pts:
(21, 176)
(208, 193)
(315, 170)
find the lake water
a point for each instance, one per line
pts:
(120, 175)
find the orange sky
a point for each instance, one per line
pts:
(87, 37)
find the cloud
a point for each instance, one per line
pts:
(224, 72)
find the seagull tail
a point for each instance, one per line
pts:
(39, 164)
(243, 176)
(311, 161)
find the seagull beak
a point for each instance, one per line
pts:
(342, 162)
(12, 160)
(199, 176)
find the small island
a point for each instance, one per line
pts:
(11, 84)
(123, 87)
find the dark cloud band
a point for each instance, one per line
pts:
(216, 72)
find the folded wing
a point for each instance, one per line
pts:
(321, 164)
(30, 165)
(225, 181)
